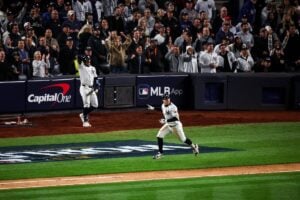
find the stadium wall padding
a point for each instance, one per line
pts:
(223, 91)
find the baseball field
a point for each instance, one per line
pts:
(243, 155)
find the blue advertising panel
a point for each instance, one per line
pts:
(50, 94)
(78, 99)
(150, 89)
(12, 96)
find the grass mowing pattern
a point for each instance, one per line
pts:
(271, 186)
(268, 143)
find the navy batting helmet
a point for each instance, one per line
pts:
(86, 59)
(166, 96)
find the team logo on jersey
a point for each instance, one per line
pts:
(92, 150)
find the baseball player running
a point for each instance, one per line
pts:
(89, 85)
(171, 123)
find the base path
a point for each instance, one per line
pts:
(146, 176)
(104, 121)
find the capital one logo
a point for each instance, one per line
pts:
(57, 97)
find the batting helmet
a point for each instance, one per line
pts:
(166, 96)
(86, 59)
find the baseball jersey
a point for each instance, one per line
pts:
(206, 59)
(170, 113)
(87, 74)
(245, 63)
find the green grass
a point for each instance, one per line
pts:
(269, 143)
(249, 187)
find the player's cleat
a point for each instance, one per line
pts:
(195, 149)
(158, 156)
(86, 124)
(81, 117)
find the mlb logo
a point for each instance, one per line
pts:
(143, 91)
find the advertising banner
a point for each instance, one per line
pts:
(50, 94)
(12, 96)
(150, 89)
(78, 99)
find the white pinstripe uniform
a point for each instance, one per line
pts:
(172, 124)
(87, 75)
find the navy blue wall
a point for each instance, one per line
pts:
(193, 91)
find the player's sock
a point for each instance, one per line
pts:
(160, 143)
(90, 109)
(85, 114)
(188, 142)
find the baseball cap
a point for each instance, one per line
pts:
(66, 25)
(189, 47)
(268, 28)
(9, 12)
(69, 38)
(244, 47)
(70, 12)
(15, 53)
(86, 58)
(166, 96)
(209, 41)
(189, 1)
(27, 24)
(68, 3)
(51, 4)
(245, 16)
(96, 28)
(236, 36)
(36, 5)
(153, 40)
(268, 59)
(88, 48)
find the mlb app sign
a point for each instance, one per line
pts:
(151, 89)
(146, 91)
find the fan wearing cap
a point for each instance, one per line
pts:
(154, 57)
(80, 8)
(13, 17)
(188, 61)
(263, 65)
(171, 124)
(189, 9)
(245, 61)
(89, 85)
(208, 59)
(226, 59)
(207, 6)
(278, 59)
(245, 35)
(243, 20)
(73, 23)
(225, 31)
(67, 55)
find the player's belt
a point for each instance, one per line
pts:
(87, 86)
(173, 119)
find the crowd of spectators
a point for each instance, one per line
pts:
(48, 38)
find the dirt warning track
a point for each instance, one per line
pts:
(146, 176)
